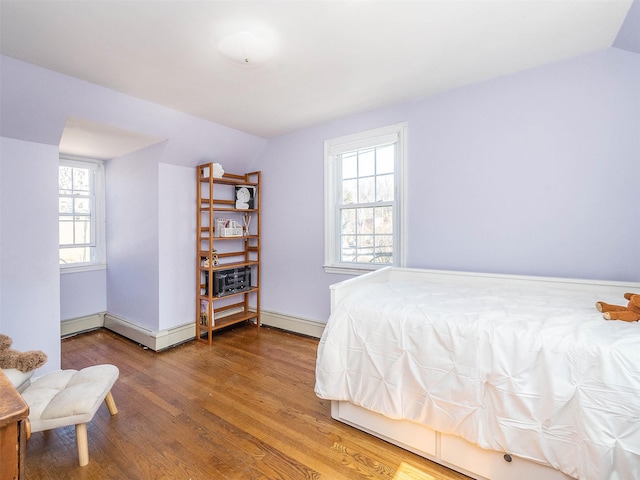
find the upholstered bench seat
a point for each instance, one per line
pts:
(20, 380)
(71, 397)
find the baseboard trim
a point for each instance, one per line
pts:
(299, 325)
(162, 339)
(154, 339)
(81, 324)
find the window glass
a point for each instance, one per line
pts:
(363, 224)
(80, 218)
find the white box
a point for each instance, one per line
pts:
(231, 232)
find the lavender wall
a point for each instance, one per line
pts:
(29, 278)
(177, 222)
(525, 165)
(629, 35)
(531, 173)
(35, 105)
(82, 294)
(132, 237)
(534, 173)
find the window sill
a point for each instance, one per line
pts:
(352, 269)
(83, 268)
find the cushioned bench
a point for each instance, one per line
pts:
(20, 380)
(71, 397)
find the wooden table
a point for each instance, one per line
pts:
(14, 413)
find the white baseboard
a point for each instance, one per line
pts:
(161, 339)
(81, 324)
(299, 325)
(153, 339)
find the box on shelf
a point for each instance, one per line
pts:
(204, 313)
(227, 282)
(231, 232)
(245, 197)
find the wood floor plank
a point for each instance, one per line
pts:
(242, 409)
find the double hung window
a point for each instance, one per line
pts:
(80, 213)
(363, 200)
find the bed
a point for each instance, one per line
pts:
(497, 377)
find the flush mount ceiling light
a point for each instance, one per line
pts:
(246, 48)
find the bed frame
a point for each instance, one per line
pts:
(450, 450)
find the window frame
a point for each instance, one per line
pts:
(332, 178)
(98, 261)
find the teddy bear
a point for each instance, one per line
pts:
(630, 313)
(23, 361)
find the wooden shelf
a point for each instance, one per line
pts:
(227, 320)
(227, 179)
(227, 266)
(242, 292)
(228, 210)
(213, 203)
(237, 237)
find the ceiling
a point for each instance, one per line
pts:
(331, 58)
(84, 138)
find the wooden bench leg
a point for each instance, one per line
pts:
(83, 444)
(111, 403)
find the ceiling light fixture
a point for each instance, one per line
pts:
(246, 48)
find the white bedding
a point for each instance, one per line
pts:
(536, 373)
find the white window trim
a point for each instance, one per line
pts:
(332, 148)
(85, 267)
(100, 220)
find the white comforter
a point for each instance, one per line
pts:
(537, 374)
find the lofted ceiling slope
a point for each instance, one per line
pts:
(331, 58)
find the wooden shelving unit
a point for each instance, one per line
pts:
(228, 292)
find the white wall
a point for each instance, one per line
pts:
(29, 279)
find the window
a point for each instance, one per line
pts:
(363, 200)
(81, 212)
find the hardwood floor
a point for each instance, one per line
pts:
(243, 408)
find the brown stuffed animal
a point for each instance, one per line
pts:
(630, 313)
(23, 361)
